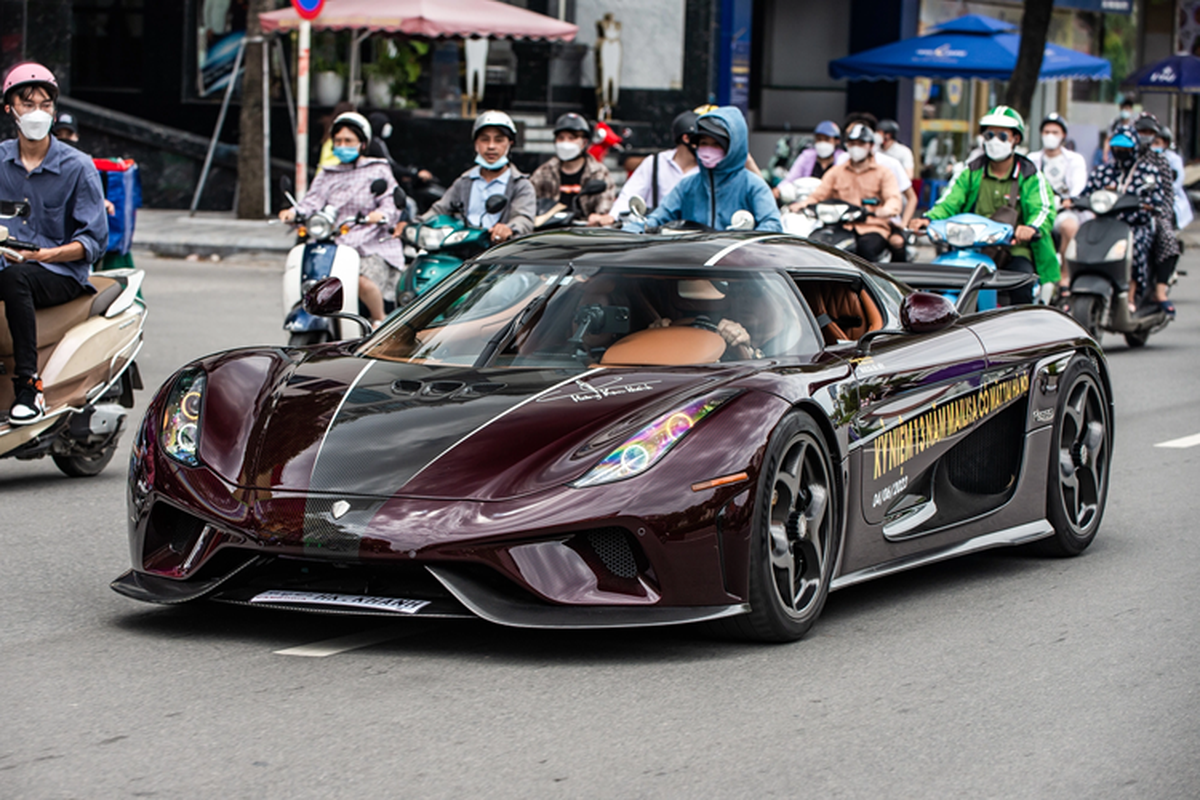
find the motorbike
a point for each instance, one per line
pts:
(962, 239)
(443, 244)
(605, 138)
(86, 358)
(835, 218)
(551, 213)
(317, 256)
(797, 222)
(742, 220)
(1100, 263)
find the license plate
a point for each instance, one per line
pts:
(398, 605)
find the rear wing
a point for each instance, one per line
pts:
(950, 278)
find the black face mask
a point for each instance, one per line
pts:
(1122, 155)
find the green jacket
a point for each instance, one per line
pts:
(1036, 206)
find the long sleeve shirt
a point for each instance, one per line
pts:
(347, 187)
(641, 182)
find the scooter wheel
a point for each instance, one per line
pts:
(78, 466)
(1137, 338)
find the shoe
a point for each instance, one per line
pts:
(1167, 307)
(29, 405)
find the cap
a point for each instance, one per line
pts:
(66, 121)
(829, 128)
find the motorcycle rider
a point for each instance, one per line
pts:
(1133, 172)
(494, 133)
(1066, 172)
(1164, 253)
(825, 153)
(656, 177)
(887, 143)
(1183, 207)
(67, 221)
(859, 179)
(897, 241)
(347, 188)
(1002, 178)
(722, 185)
(561, 178)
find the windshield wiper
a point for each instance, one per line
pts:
(503, 337)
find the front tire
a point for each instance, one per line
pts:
(796, 535)
(1080, 459)
(1137, 338)
(1086, 309)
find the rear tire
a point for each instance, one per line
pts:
(1137, 338)
(307, 338)
(1086, 310)
(1080, 459)
(795, 538)
(85, 466)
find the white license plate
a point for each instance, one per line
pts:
(398, 605)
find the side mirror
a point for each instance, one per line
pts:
(742, 220)
(14, 208)
(378, 186)
(324, 298)
(926, 312)
(637, 206)
(594, 186)
(496, 203)
(400, 198)
(285, 185)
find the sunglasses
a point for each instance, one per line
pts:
(1002, 136)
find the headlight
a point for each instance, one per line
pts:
(959, 234)
(455, 238)
(431, 238)
(1103, 201)
(1116, 252)
(319, 227)
(831, 214)
(409, 236)
(180, 434)
(1070, 254)
(646, 448)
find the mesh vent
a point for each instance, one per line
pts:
(322, 532)
(986, 461)
(611, 545)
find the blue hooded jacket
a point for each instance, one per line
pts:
(734, 186)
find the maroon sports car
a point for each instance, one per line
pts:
(596, 429)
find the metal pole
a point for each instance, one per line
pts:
(266, 127)
(212, 145)
(302, 54)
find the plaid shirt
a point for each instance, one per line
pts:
(347, 187)
(546, 181)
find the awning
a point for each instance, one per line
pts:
(1177, 73)
(973, 46)
(430, 18)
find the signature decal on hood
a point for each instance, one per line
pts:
(583, 390)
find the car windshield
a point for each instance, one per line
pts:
(519, 315)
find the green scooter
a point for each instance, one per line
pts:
(443, 244)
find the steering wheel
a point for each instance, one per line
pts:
(704, 323)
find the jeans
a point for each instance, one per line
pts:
(23, 288)
(870, 245)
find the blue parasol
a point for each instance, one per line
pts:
(1177, 73)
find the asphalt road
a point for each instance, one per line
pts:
(997, 675)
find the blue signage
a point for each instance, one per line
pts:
(733, 54)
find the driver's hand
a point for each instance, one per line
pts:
(109, 208)
(1023, 234)
(399, 229)
(376, 216)
(661, 322)
(425, 175)
(287, 214)
(501, 232)
(918, 224)
(733, 333)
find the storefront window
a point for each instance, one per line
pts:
(106, 44)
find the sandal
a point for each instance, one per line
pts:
(1167, 307)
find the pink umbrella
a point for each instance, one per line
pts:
(432, 18)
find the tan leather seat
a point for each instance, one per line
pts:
(54, 322)
(850, 313)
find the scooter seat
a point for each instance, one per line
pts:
(54, 322)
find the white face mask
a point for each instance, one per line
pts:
(1051, 141)
(858, 153)
(35, 125)
(997, 150)
(824, 149)
(567, 151)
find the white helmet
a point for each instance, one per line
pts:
(355, 120)
(494, 119)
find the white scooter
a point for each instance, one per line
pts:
(798, 223)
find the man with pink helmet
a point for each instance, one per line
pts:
(67, 222)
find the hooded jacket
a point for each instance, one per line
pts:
(712, 196)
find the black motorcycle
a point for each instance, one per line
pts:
(552, 213)
(836, 218)
(1100, 263)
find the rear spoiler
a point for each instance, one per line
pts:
(950, 278)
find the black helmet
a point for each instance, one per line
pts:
(572, 122)
(683, 125)
(1147, 123)
(860, 132)
(709, 125)
(889, 126)
(1055, 118)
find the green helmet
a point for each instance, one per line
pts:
(1004, 117)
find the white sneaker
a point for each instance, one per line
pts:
(29, 405)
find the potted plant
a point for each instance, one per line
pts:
(392, 76)
(329, 80)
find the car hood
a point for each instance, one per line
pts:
(355, 426)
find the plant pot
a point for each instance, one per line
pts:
(328, 88)
(379, 91)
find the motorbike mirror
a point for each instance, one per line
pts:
(926, 312)
(594, 186)
(14, 208)
(400, 198)
(638, 206)
(742, 220)
(285, 184)
(378, 186)
(324, 297)
(495, 204)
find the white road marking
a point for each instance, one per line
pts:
(1186, 441)
(342, 644)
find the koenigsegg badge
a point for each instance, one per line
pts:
(339, 509)
(587, 390)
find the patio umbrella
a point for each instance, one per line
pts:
(973, 46)
(432, 18)
(1177, 73)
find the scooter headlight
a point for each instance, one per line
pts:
(455, 238)
(647, 447)
(319, 227)
(998, 236)
(959, 234)
(1103, 201)
(180, 433)
(1116, 252)
(831, 213)
(432, 238)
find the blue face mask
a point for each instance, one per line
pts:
(345, 154)
(499, 163)
(1158, 149)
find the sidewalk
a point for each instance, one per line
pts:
(171, 232)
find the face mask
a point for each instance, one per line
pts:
(1158, 149)
(567, 151)
(499, 163)
(1145, 140)
(35, 125)
(858, 152)
(997, 150)
(386, 133)
(709, 156)
(824, 149)
(345, 154)
(1051, 141)
(1126, 114)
